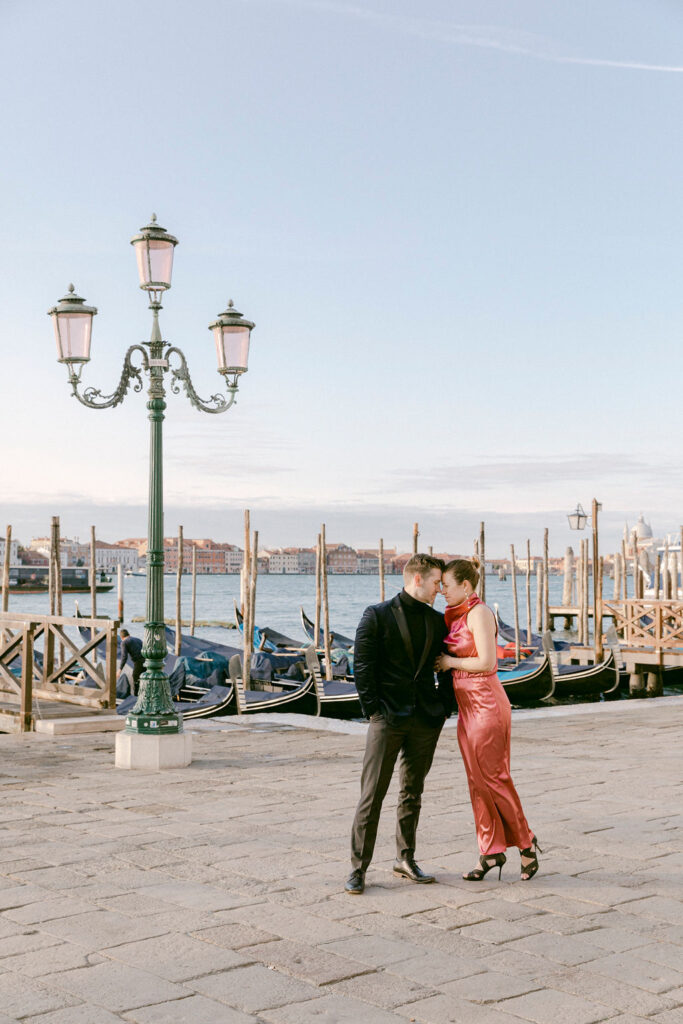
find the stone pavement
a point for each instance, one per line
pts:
(212, 895)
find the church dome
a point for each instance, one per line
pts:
(643, 529)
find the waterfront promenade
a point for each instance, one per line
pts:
(212, 895)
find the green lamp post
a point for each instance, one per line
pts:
(153, 713)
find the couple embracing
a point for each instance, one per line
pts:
(400, 644)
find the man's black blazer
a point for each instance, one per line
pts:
(388, 672)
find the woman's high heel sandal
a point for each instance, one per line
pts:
(493, 860)
(530, 869)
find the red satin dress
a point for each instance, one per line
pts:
(484, 720)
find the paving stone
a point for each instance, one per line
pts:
(100, 929)
(562, 949)
(62, 957)
(659, 908)
(25, 942)
(318, 966)
(383, 989)
(448, 1009)
(435, 968)
(192, 1010)
(633, 969)
(254, 988)
(48, 910)
(175, 957)
(20, 895)
(24, 997)
(292, 923)
(489, 987)
(115, 986)
(558, 1007)
(582, 981)
(374, 950)
(669, 1017)
(234, 936)
(497, 932)
(329, 1010)
(663, 953)
(194, 895)
(81, 1014)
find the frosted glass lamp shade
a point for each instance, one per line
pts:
(72, 321)
(154, 251)
(577, 519)
(231, 334)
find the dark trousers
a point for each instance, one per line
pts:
(138, 669)
(416, 742)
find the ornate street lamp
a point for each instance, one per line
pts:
(153, 713)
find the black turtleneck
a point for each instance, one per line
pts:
(415, 614)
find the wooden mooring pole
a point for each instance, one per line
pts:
(528, 592)
(513, 566)
(546, 574)
(567, 583)
(178, 601)
(193, 607)
(482, 559)
(5, 576)
(246, 563)
(119, 591)
(416, 534)
(539, 595)
(318, 591)
(381, 568)
(326, 605)
(93, 584)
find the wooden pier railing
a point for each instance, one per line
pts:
(39, 659)
(653, 625)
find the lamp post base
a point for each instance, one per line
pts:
(153, 753)
(159, 724)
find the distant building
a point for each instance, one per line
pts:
(341, 559)
(13, 551)
(109, 556)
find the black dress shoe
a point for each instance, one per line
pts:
(355, 883)
(409, 869)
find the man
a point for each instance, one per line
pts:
(397, 643)
(131, 647)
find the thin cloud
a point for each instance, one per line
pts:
(504, 40)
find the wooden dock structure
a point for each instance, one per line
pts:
(57, 677)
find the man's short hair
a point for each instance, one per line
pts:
(422, 564)
(124, 632)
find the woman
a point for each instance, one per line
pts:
(483, 723)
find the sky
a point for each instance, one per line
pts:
(456, 224)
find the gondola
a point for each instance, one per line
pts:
(528, 683)
(338, 697)
(584, 680)
(336, 639)
(506, 633)
(267, 639)
(299, 699)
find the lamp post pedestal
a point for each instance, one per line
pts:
(143, 751)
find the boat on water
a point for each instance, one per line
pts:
(529, 682)
(336, 639)
(266, 638)
(338, 697)
(35, 579)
